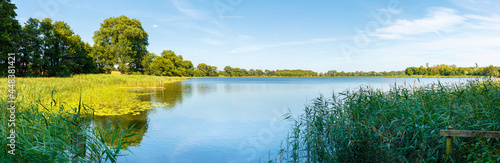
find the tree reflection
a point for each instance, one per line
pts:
(138, 123)
(169, 97)
(206, 89)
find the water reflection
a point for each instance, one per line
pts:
(232, 119)
(234, 88)
(206, 89)
(138, 123)
(172, 95)
(169, 98)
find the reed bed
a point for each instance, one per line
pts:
(106, 94)
(43, 135)
(399, 125)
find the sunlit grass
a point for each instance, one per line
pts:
(106, 94)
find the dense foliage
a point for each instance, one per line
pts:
(9, 33)
(238, 72)
(334, 73)
(452, 70)
(120, 41)
(169, 64)
(52, 49)
(205, 70)
(401, 125)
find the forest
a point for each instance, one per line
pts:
(48, 48)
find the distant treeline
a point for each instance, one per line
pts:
(237, 72)
(47, 48)
(334, 73)
(453, 70)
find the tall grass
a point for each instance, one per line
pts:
(399, 125)
(43, 135)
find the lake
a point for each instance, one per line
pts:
(231, 119)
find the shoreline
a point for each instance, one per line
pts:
(414, 76)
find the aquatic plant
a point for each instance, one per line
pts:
(399, 125)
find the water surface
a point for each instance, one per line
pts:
(231, 119)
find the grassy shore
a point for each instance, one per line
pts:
(398, 76)
(400, 125)
(435, 76)
(106, 94)
(54, 117)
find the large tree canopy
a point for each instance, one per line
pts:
(9, 33)
(170, 64)
(205, 70)
(52, 49)
(120, 41)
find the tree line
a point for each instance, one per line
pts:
(47, 48)
(453, 70)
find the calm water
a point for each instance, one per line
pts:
(231, 119)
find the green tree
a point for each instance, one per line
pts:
(176, 60)
(31, 49)
(186, 68)
(491, 71)
(147, 61)
(229, 71)
(205, 70)
(222, 73)
(410, 71)
(162, 67)
(52, 49)
(177, 66)
(251, 72)
(9, 33)
(259, 72)
(122, 41)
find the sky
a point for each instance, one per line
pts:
(319, 35)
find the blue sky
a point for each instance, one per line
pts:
(321, 35)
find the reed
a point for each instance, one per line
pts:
(43, 135)
(399, 125)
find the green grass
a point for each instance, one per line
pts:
(400, 125)
(46, 135)
(106, 94)
(435, 76)
(55, 117)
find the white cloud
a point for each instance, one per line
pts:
(437, 19)
(478, 5)
(154, 25)
(493, 18)
(187, 9)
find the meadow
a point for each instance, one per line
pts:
(105, 94)
(400, 125)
